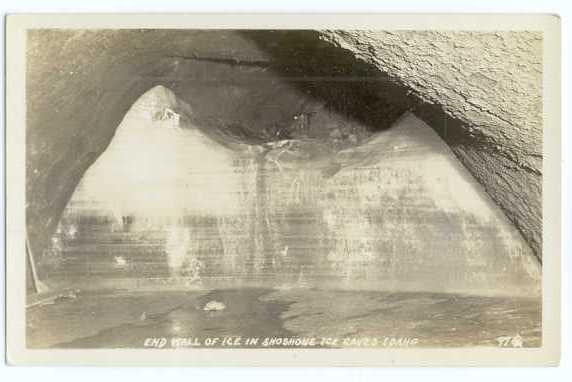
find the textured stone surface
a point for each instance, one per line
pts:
(483, 94)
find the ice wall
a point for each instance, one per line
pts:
(174, 202)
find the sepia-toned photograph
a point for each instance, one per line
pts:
(194, 188)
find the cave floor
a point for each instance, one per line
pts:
(125, 319)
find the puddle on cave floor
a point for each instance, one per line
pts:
(93, 320)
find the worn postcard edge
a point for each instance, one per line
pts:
(18, 354)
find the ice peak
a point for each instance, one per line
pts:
(158, 99)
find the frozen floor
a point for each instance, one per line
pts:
(124, 319)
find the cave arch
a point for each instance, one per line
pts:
(81, 83)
